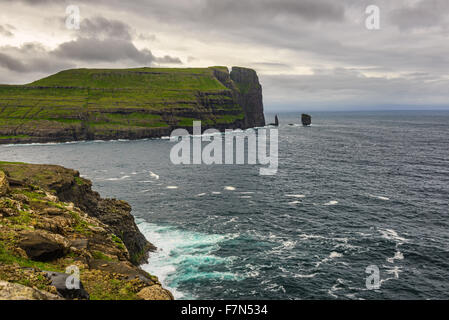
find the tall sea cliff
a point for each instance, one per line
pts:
(107, 104)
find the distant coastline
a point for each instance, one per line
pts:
(112, 104)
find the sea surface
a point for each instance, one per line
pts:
(356, 189)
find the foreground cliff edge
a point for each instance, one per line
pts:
(51, 219)
(107, 104)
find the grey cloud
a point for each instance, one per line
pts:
(104, 40)
(45, 64)
(168, 59)
(349, 88)
(6, 31)
(326, 35)
(310, 10)
(12, 64)
(423, 14)
(100, 41)
(100, 27)
(109, 50)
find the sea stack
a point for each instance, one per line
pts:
(276, 121)
(306, 119)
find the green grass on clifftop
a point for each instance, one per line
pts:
(82, 104)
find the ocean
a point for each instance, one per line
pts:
(356, 190)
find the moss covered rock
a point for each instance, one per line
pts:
(40, 230)
(4, 185)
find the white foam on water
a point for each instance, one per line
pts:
(306, 236)
(295, 195)
(391, 234)
(379, 197)
(294, 202)
(245, 197)
(216, 192)
(395, 270)
(304, 275)
(331, 203)
(397, 256)
(117, 179)
(332, 255)
(185, 256)
(143, 191)
(335, 288)
(201, 194)
(153, 175)
(229, 188)
(172, 187)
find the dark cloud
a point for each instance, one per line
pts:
(310, 10)
(12, 64)
(405, 61)
(422, 14)
(100, 27)
(21, 61)
(168, 59)
(108, 50)
(104, 40)
(99, 40)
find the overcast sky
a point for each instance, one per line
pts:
(309, 54)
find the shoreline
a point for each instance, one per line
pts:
(54, 220)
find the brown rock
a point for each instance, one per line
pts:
(14, 291)
(53, 211)
(21, 197)
(155, 292)
(4, 185)
(43, 246)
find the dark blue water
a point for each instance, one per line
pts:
(355, 189)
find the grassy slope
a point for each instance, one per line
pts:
(106, 100)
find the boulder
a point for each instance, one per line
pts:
(306, 119)
(155, 292)
(59, 281)
(52, 211)
(42, 246)
(79, 244)
(4, 185)
(15, 291)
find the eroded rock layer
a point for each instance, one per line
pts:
(50, 219)
(89, 104)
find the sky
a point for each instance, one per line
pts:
(309, 54)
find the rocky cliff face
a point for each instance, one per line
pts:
(88, 104)
(51, 219)
(249, 96)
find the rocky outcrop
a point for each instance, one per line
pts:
(155, 293)
(15, 291)
(68, 186)
(42, 234)
(306, 119)
(276, 121)
(41, 245)
(59, 281)
(4, 185)
(108, 104)
(249, 96)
